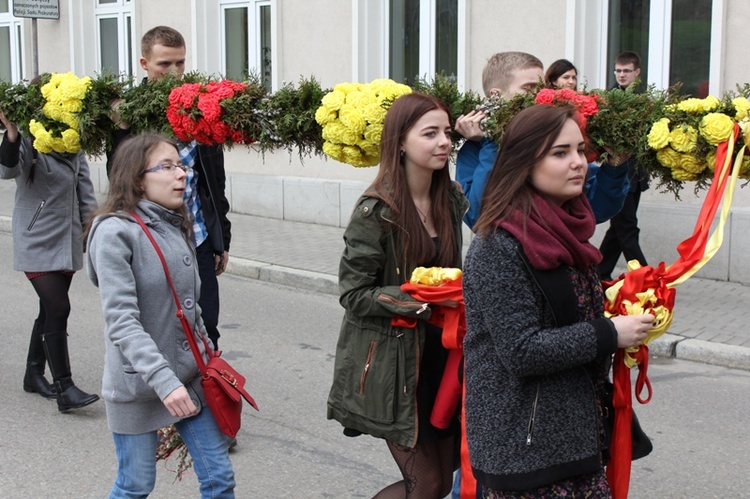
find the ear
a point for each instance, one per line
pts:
(637, 72)
(144, 64)
(496, 92)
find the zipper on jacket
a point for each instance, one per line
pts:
(368, 362)
(36, 215)
(533, 417)
(417, 305)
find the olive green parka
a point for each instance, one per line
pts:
(377, 365)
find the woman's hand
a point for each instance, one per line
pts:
(468, 125)
(179, 404)
(632, 329)
(11, 129)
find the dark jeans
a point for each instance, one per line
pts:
(622, 237)
(209, 301)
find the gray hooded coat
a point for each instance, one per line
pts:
(146, 353)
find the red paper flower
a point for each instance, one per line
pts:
(195, 112)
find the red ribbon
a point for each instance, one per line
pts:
(691, 251)
(453, 322)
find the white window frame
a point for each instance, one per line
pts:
(253, 43)
(122, 10)
(586, 42)
(17, 45)
(371, 40)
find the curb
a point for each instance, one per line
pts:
(277, 274)
(673, 346)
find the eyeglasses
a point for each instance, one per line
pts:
(623, 71)
(168, 167)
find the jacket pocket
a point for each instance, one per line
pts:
(370, 375)
(36, 214)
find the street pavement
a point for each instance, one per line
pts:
(708, 324)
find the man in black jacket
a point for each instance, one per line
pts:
(163, 52)
(622, 235)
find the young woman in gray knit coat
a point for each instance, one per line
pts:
(538, 347)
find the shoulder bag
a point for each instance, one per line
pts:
(223, 386)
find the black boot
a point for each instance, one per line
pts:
(69, 395)
(34, 380)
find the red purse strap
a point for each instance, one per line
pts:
(180, 314)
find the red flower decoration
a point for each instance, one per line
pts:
(195, 112)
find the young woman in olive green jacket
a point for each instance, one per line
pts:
(386, 377)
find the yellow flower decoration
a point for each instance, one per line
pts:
(692, 164)
(742, 106)
(683, 138)
(716, 127)
(710, 103)
(683, 175)
(658, 136)
(64, 94)
(434, 276)
(352, 117)
(692, 106)
(668, 157)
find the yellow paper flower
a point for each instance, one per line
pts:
(691, 164)
(683, 175)
(711, 160)
(668, 157)
(352, 116)
(693, 106)
(434, 276)
(683, 138)
(710, 103)
(742, 106)
(658, 136)
(716, 127)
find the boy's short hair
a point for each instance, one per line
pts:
(161, 35)
(629, 57)
(499, 70)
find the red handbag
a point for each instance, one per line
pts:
(223, 386)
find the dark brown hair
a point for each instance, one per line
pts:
(415, 247)
(556, 70)
(527, 139)
(629, 57)
(162, 35)
(125, 184)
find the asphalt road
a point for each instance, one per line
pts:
(284, 339)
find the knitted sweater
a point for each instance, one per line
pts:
(531, 412)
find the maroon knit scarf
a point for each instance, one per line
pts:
(556, 235)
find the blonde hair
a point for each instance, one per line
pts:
(501, 67)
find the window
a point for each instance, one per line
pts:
(423, 39)
(628, 30)
(114, 25)
(409, 39)
(690, 53)
(11, 45)
(248, 40)
(673, 38)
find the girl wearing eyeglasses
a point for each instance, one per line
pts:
(151, 378)
(54, 198)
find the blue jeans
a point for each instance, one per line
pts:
(136, 457)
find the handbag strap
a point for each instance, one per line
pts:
(180, 314)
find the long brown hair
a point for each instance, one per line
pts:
(415, 247)
(128, 165)
(526, 141)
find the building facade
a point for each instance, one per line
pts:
(697, 42)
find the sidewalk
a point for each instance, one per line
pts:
(709, 325)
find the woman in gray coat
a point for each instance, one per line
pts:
(54, 198)
(151, 378)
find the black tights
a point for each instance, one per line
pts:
(427, 470)
(54, 303)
